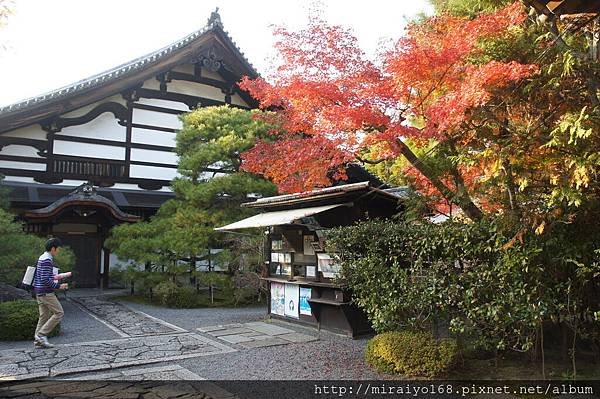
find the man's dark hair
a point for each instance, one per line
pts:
(52, 243)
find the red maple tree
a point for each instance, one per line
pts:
(335, 104)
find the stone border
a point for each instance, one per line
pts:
(86, 311)
(49, 372)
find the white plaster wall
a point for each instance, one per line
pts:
(185, 68)
(155, 137)
(127, 186)
(22, 165)
(202, 265)
(20, 150)
(84, 110)
(71, 183)
(115, 262)
(169, 158)
(151, 84)
(164, 103)
(104, 127)
(153, 118)
(196, 89)
(20, 179)
(88, 150)
(29, 132)
(210, 74)
(152, 172)
(237, 100)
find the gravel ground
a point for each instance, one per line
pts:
(77, 326)
(190, 319)
(331, 357)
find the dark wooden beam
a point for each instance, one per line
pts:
(151, 127)
(40, 145)
(200, 79)
(191, 101)
(128, 128)
(76, 139)
(158, 109)
(44, 177)
(56, 124)
(156, 164)
(17, 158)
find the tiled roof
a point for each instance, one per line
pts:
(125, 69)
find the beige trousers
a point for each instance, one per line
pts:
(51, 313)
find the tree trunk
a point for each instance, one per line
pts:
(461, 199)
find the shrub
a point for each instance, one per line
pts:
(164, 291)
(411, 353)
(184, 297)
(18, 320)
(173, 296)
(492, 283)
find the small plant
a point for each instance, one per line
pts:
(411, 353)
(18, 320)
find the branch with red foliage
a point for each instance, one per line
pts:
(334, 103)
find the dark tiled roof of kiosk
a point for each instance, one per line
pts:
(128, 68)
(323, 193)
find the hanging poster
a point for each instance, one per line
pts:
(278, 299)
(307, 244)
(305, 295)
(327, 266)
(292, 297)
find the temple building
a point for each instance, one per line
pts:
(83, 158)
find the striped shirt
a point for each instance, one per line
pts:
(43, 283)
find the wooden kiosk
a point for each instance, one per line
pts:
(300, 273)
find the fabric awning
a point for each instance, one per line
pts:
(277, 218)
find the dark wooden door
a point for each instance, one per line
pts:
(86, 272)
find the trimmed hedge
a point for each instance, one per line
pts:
(18, 320)
(411, 353)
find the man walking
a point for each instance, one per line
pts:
(51, 311)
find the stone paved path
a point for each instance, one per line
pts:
(116, 390)
(100, 355)
(256, 334)
(123, 320)
(164, 373)
(118, 368)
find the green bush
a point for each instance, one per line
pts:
(411, 353)
(185, 297)
(18, 320)
(488, 282)
(164, 291)
(173, 296)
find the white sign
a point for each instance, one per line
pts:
(307, 245)
(292, 299)
(277, 299)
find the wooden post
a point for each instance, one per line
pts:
(210, 287)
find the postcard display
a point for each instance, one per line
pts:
(302, 275)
